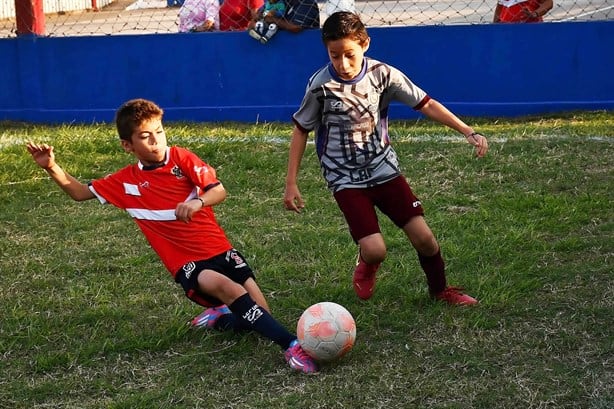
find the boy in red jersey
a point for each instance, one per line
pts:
(169, 193)
(346, 105)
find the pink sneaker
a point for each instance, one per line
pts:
(298, 359)
(364, 278)
(209, 317)
(454, 296)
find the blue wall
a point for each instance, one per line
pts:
(478, 70)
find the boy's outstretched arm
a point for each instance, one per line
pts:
(441, 114)
(45, 158)
(292, 195)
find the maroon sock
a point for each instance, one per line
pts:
(434, 268)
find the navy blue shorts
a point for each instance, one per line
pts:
(394, 198)
(232, 264)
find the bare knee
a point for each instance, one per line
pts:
(421, 236)
(372, 249)
(220, 286)
(426, 246)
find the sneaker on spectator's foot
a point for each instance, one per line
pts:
(455, 296)
(254, 34)
(299, 360)
(209, 317)
(364, 278)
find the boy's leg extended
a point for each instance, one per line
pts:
(249, 314)
(397, 201)
(254, 291)
(246, 311)
(429, 255)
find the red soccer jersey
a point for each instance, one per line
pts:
(151, 196)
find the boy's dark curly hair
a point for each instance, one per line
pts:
(132, 114)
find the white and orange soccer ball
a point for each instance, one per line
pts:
(326, 331)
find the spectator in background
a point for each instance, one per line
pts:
(300, 15)
(237, 14)
(199, 15)
(521, 11)
(261, 30)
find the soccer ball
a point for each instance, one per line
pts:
(326, 331)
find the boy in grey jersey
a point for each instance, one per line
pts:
(346, 105)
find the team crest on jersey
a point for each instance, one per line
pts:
(177, 172)
(374, 96)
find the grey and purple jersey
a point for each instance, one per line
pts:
(350, 121)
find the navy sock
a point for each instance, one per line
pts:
(250, 315)
(226, 322)
(434, 268)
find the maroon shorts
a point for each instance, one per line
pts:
(393, 198)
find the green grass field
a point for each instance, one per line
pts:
(90, 318)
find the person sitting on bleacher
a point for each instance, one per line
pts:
(261, 30)
(199, 16)
(300, 15)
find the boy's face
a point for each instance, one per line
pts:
(148, 142)
(346, 56)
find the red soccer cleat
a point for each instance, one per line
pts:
(454, 296)
(364, 279)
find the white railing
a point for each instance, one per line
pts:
(7, 7)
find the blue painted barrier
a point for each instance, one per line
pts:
(476, 70)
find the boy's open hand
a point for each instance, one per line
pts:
(42, 154)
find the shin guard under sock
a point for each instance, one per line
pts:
(250, 315)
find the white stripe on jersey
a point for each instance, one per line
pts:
(157, 215)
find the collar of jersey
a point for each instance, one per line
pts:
(354, 80)
(157, 165)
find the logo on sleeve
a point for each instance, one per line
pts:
(200, 169)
